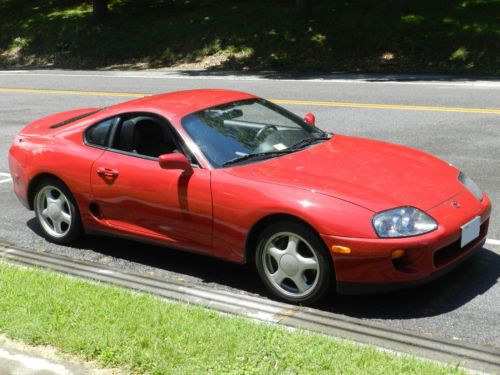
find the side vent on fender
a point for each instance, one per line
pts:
(94, 208)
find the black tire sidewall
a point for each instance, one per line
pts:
(75, 226)
(324, 262)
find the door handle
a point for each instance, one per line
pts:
(107, 172)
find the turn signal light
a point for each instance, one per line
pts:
(341, 249)
(397, 254)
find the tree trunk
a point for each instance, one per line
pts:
(100, 9)
(304, 8)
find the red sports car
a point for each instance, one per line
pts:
(231, 175)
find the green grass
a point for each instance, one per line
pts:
(441, 36)
(144, 334)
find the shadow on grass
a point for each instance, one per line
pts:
(471, 279)
(348, 36)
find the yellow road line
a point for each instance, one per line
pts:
(390, 106)
(75, 92)
(400, 107)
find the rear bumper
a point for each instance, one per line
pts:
(369, 268)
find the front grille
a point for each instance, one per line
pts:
(453, 251)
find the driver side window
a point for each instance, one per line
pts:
(144, 136)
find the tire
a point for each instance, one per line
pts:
(293, 263)
(57, 212)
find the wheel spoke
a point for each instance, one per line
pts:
(46, 198)
(49, 194)
(60, 202)
(306, 263)
(276, 253)
(45, 213)
(292, 245)
(300, 283)
(51, 200)
(278, 276)
(66, 218)
(57, 226)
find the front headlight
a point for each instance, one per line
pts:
(471, 186)
(403, 222)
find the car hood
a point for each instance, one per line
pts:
(372, 174)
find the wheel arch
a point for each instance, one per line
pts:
(35, 182)
(255, 231)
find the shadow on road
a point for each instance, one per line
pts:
(208, 270)
(372, 77)
(473, 278)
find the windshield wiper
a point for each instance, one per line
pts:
(309, 141)
(258, 156)
(264, 155)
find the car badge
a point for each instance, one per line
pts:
(455, 204)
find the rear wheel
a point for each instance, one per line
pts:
(57, 212)
(292, 262)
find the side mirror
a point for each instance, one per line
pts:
(175, 161)
(310, 119)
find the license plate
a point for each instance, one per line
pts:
(470, 231)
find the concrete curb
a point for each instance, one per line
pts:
(480, 358)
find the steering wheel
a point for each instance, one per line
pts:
(265, 129)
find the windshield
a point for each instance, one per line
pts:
(237, 130)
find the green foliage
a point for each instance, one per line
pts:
(144, 334)
(345, 36)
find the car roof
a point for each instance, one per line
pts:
(180, 103)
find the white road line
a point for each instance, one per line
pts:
(491, 241)
(231, 76)
(4, 180)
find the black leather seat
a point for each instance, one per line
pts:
(149, 139)
(126, 139)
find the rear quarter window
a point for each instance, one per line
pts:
(98, 135)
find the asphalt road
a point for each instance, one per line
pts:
(464, 305)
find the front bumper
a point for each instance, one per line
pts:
(369, 268)
(346, 287)
(20, 180)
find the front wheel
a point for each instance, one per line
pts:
(292, 262)
(57, 212)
